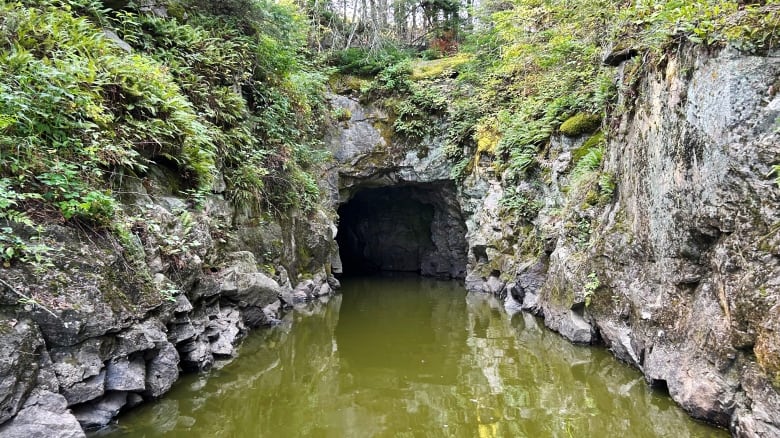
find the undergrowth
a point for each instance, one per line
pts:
(223, 91)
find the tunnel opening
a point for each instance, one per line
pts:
(412, 229)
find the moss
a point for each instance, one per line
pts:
(594, 141)
(592, 198)
(768, 354)
(488, 137)
(346, 84)
(6, 325)
(176, 10)
(531, 247)
(304, 258)
(561, 296)
(385, 128)
(431, 69)
(115, 297)
(580, 124)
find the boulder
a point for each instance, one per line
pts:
(574, 327)
(196, 355)
(140, 337)
(180, 332)
(324, 290)
(306, 287)
(494, 285)
(618, 338)
(224, 332)
(162, 370)
(80, 370)
(253, 317)
(126, 375)
(44, 415)
(272, 310)
(85, 390)
(99, 413)
(250, 289)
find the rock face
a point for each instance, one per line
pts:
(688, 249)
(20, 346)
(112, 325)
(675, 269)
(399, 209)
(677, 273)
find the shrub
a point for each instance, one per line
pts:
(365, 62)
(342, 114)
(75, 108)
(590, 287)
(521, 203)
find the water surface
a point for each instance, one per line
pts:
(411, 357)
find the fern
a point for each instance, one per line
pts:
(590, 162)
(9, 199)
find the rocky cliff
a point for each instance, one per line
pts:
(666, 251)
(107, 325)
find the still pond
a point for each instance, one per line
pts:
(412, 357)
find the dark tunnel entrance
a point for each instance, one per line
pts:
(414, 228)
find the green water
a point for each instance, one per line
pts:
(409, 357)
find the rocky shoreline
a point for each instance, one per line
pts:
(123, 324)
(676, 271)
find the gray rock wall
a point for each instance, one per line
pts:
(110, 324)
(684, 256)
(413, 220)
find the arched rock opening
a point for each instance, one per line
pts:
(411, 228)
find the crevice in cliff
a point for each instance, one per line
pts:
(409, 228)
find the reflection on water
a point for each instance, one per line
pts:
(410, 357)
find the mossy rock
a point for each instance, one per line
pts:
(385, 128)
(580, 124)
(767, 348)
(346, 84)
(562, 296)
(591, 198)
(177, 11)
(433, 68)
